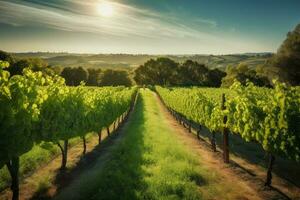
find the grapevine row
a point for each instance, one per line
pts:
(269, 117)
(36, 108)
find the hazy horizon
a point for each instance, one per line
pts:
(124, 53)
(143, 27)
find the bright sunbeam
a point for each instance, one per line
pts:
(105, 9)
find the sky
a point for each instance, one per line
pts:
(146, 26)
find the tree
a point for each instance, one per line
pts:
(115, 78)
(4, 56)
(79, 75)
(193, 73)
(161, 71)
(164, 71)
(17, 67)
(243, 74)
(94, 76)
(285, 64)
(215, 77)
(35, 64)
(74, 76)
(67, 74)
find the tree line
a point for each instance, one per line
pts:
(73, 76)
(164, 71)
(96, 77)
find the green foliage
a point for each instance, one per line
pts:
(267, 116)
(93, 77)
(201, 105)
(74, 76)
(4, 56)
(164, 71)
(161, 71)
(215, 77)
(20, 100)
(74, 111)
(115, 78)
(285, 64)
(243, 74)
(270, 117)
(18, 65)
(36, 107)
(192, 73)
(96, 77)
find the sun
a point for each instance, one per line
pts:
(105, 9)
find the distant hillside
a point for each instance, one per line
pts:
(129, 60)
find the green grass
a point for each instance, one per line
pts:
(32, 160)
(147, 163)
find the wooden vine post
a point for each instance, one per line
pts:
(225, 133)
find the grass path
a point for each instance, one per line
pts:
(151, 162)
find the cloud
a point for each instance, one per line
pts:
(82, 16)
(129, 27)
(209, 22)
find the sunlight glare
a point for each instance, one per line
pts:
(105, 9)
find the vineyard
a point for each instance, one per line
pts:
(269, 117)
(36, 109)
(149, 100)
(42, 118)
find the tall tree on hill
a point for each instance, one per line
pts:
(285, 64)
(193, 73)
(164, 71)
(35, 64)
(4, 56)
(161, 71)
(93, 77)
(74, 76)
(17, 67)
(215, 77)
(242, 73)
(115, 78)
